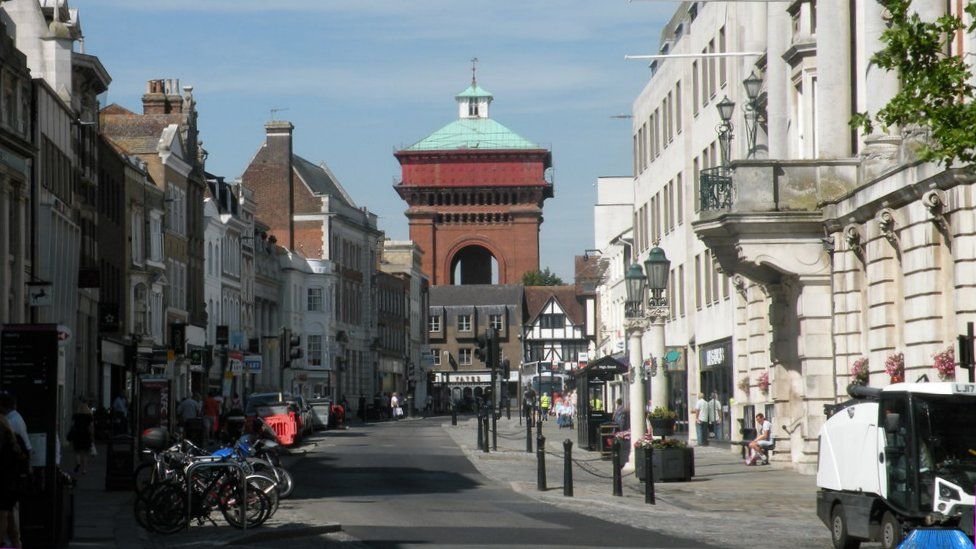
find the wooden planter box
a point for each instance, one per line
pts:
(669, 464)
(663, 427)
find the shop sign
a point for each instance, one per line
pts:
(583, 359)
(675, 359)
(716, 355)
(253, 364)
(235, 362)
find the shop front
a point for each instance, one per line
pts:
(116, 375)
(676, 370)
(715, 375)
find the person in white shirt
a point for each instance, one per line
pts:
(8, 407)
(764, 439)
(701, 420)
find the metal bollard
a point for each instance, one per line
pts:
(485, 421)
(481, 440)
(540, 455)
(649, 479)
(508, 409)
(453, 415)
(528, 438)
(494, 431)
(568, 468)
(618, 485)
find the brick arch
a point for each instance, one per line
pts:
(473, 240)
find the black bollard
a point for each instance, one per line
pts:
(528, 438)
(508, 408)
(481, 440)
(540, 455)
(568, 468)
(649, 479)
(486, 434)
(618, 485)
(453, 415)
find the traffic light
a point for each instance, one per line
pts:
(177, 338)
(487, 350)
(481, 352)
(291, 347)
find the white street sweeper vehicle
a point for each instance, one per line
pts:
(898, 458)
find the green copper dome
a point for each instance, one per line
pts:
(473, 133)
(474, 91)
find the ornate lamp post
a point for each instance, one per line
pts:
(725, 109)
(645, 312)
(753, 86)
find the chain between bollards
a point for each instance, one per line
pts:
(568, 468)
(649, 478)
(618, 485)
(540, 455)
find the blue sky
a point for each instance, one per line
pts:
(361, 78)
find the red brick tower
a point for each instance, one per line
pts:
(475, 191)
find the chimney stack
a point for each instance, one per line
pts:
(162, 97)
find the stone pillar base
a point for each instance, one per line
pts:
(881, 153)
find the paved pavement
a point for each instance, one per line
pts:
(422, 482)
(726, 504)
(407, 484)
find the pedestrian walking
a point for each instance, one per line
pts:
(361, 410)
(211, 415)
(189, 411)
(81, 435)
(14, 465)
(395, 410)
(16, 424)
(120, 414)
(544, 403)
(620, 415)
(701, 420)
(714, 416)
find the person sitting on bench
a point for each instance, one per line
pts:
(759, 447)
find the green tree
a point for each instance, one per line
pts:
(541, 278)
(935, 85)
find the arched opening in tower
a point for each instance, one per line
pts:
(474, 265)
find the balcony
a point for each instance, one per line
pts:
(715, 188)
(764, 218)
(752, 186)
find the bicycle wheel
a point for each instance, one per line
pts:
(144, 477)
(261, 500)
(286, 485)
(140, 507)
(167, 508)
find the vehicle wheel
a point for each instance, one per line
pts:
(891, 531)
(838, 530)
(144, 477)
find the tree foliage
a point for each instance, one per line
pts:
(936, 91)
(541, 278)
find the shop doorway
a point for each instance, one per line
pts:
(715, 361)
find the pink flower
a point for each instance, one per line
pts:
(763, 381)
(859, 371)
(945, 363)
(895, 365)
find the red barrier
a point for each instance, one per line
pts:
(284, 427)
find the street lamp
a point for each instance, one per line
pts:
(646, 308)
(725, 109)
(753, 86)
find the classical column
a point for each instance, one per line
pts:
(833, 93)
(635, 329)
(659, 382)
(881, 146)
(5, 229)
(777, 80)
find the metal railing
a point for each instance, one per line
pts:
(715, 188)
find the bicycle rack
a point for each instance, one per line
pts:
(207, 464)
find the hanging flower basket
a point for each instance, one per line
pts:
(763, 382)
(895, 367)
(945, 363)
(859, 371)
(744, 384)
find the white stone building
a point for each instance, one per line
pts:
(404, 257)
(838, 245)
(308, 310)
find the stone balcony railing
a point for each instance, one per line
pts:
(775, 185)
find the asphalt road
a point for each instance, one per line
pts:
(407, 484)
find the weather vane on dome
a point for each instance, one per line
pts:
(474, 70)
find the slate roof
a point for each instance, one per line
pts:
(321, 180)
(475, 295)
(135, 133)
(536, 298)
(473, 133)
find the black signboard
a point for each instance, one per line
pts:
(29, 369)
(177, 338)
(108, 317)
(223, 335)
